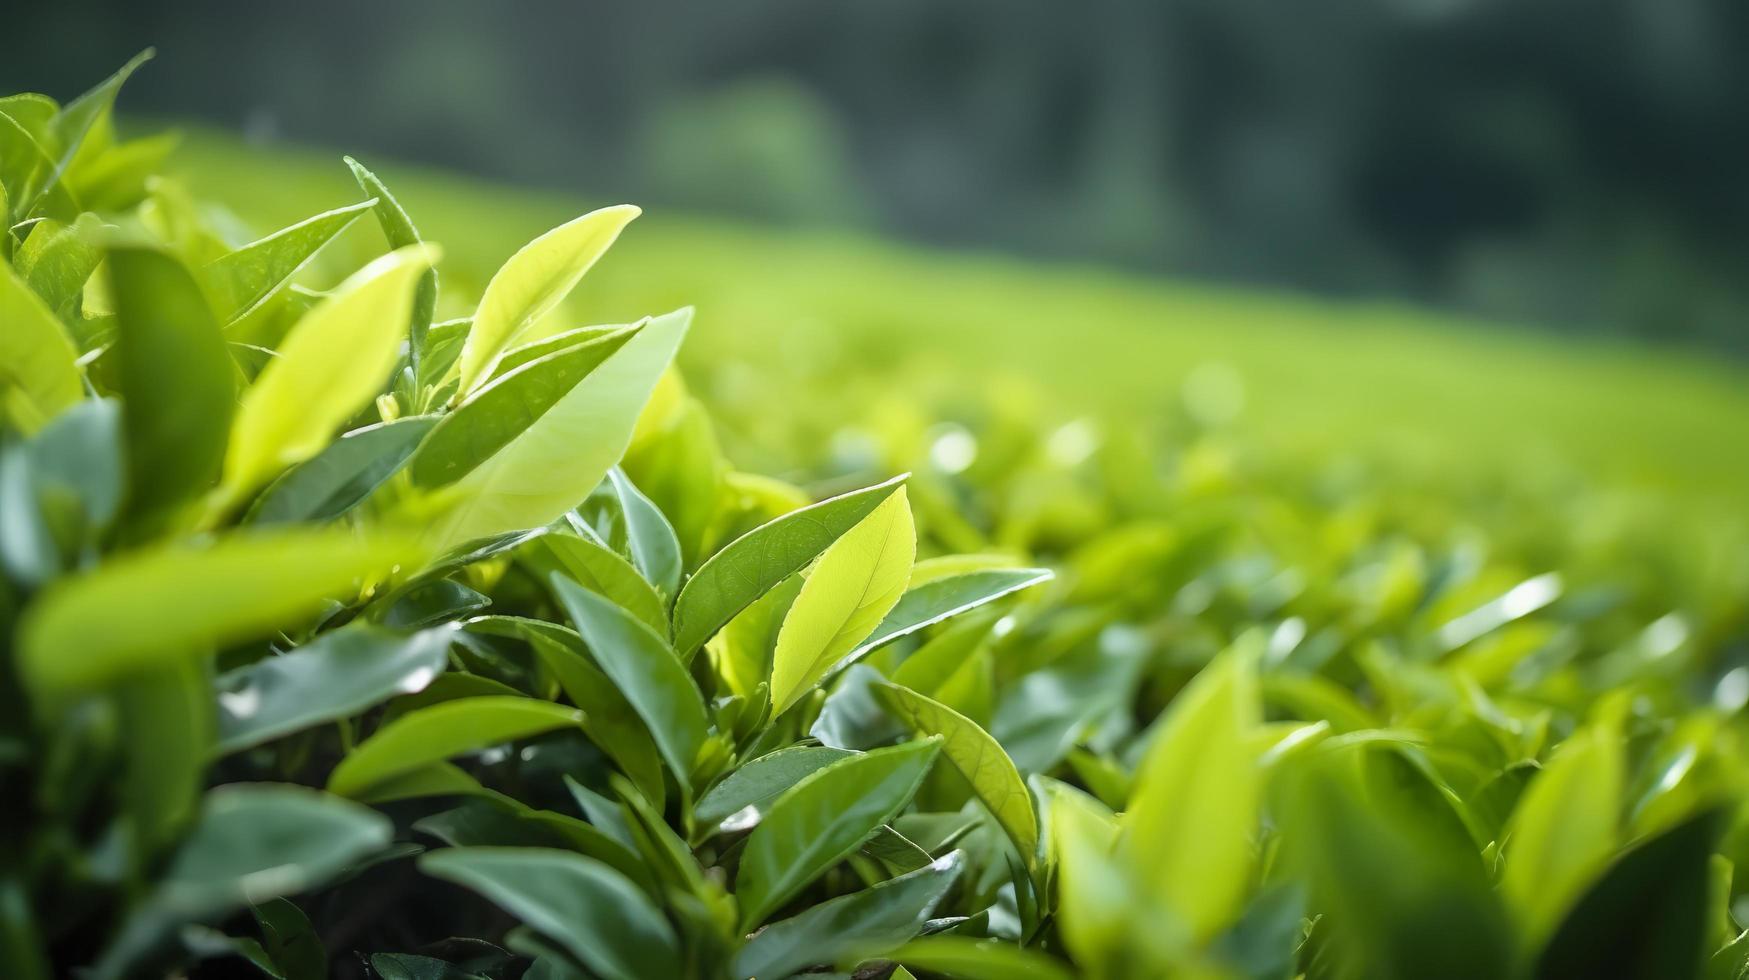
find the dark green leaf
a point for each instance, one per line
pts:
(759, 782)
(175, 377)
(852, 927)
(645, 670)
(337, 675)
(1646, 918)
(581, 904)
(824, 818)
(342, 475)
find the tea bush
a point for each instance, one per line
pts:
(343, 638)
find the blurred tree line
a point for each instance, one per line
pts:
(1574, 162)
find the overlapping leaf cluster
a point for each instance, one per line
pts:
(344, 638)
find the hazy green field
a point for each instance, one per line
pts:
(1315, 375)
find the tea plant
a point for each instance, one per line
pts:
(344, 638)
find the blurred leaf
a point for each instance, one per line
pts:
(534, 280)
(251, 843)
(38, 369)
(1645, 918)
(581, 904)
(166, 720)
(1564, 829)
(175, 379)
(81, 115)
(434, 734)
(857, 926)
(1194, 811)
(56, 259)
(854, 585)
(337, 675)
(175, 602)
(978, 959)
(821, 820)
(756, 562)
(1397, 897)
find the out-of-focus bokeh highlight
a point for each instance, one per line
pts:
(1573, 163)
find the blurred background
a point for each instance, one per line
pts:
(1578, 165)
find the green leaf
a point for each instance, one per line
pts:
(757, 561)
(291, 941)
(337, 675)
(341, 476)
(431, 602)
(1646, 917)
(39, 373)
(977, 757)
(399, 231)
(1564, 829)
(534, 350)
(175, 379)
(333, 362)
(495, 820)
(406, 966)
(254, 842)
(166, 721)
(965, 958)
(589, 909)
(654, 547)
(241, 280)
(933, 664)
(536, 279)
(852, 927)
(56, 260)
(759, 782)
(850, 590)
(554, 463)
(443, 344)
(1099, 915)
(1194, 810)
(822, 820)
(501, 411)
(928, 603)
(598, 569)
(420, 738)
(741, 650)
(644, 668)
(436, 779)
(608, 718)
(176, 602)
(79, 116)
(1396, 896)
